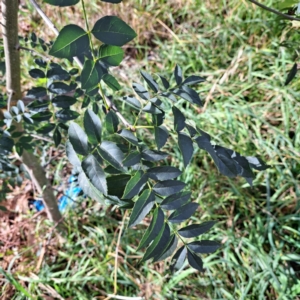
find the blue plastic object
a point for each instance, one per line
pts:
(66, 200)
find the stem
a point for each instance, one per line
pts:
(13, 85)
(274, 11)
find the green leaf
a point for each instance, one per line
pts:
(165, 82)
(94, 173)
(169, 249)
(192, 131)
(256, 163)
(63, 101)
(66, 115)
(169, 96)
(168, 187)
(175, 201)
(56, 72)
(132, 159)
(141, 208)
(111, 55)
(37, 93)
(152, 109)
(178, 75)
(195, 261)
(111, 122)
(111, 153)
(6, 143)
(129, 136)
(112, 1)
(56, 137)
(21, 106)
(37, 73)
(163, 173)
(158, 119)
(89, 189)
(188, 94)
(292, 74)
(62, 3)
(196, 229)
(157, 247)
(153, 230)
(161, 136)
(153, 155)
(92, 126)
(135, 184)
(78, 139)
(150, 81)
(193, 80)
(133, 102)
(91, 75)
(178, 259)
(111, 82)
(186, 147)
(72, 156)
(42, 116)
(46, 128)
(141, 91)
(116, 184)
(71, 41)
(204, 246)
(183, 213)
(113, 31)
(60, 88)
(179, 119)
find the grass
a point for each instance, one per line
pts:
(238, 48)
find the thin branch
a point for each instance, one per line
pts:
(274, 11)
(32, 51)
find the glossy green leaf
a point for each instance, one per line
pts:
(178, 259)
(188, 94)
(111, 122)
(21, 106)
(89, 189)
(292, 74)
(62, 3)
(178, 75)
(91, 75)
(72, 156)
(175, 201)
(150, 81)
(63, 101)
(192, 131)
(169, 249)
(204, 246)
(94, 173)
(158, 119)
(60, 88)
(132, 159)
(66, 115)
(179, 119)
(37, 73)
(141, 91)
(37, 93)
(163, 173)
(153, 230)
(111, 153)
(183, 213)
(153, 155)
(196, 229)
(56, 72)
(129, 136)
(186, 147)
(133, 102)
(111, 82)
(157, 247)
(92, 126)
(71, 41)
(116, 184)
(161, 136)
(165, 82)
(78, 139)
(135, 184)
(141, 208)
(193, 80)
(111, 30)
(170, 96)
(195, 261)
(256, 163)
(56, 137)
(168, 187)
(42, 116)
(111, 55)
(46, 128)
(152, 109)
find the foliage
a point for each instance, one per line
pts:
(115, 163)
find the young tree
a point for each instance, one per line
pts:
(116, 163)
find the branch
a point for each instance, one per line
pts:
(274, 11)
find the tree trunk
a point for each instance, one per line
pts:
(9, 26)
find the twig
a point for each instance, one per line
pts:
(18, 47)
(274, 11)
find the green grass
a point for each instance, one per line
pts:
(247, 108)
